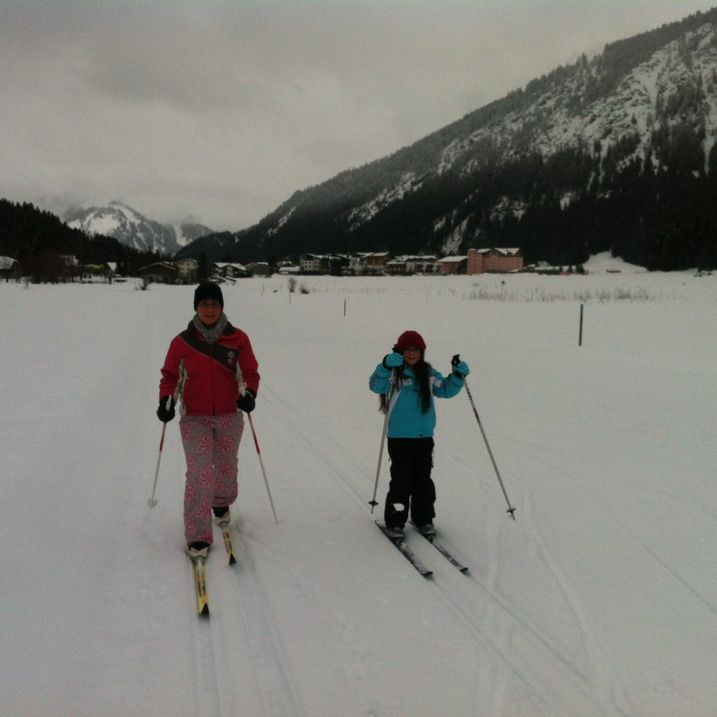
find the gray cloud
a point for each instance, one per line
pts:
(220, 110)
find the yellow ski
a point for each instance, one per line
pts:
(200, 583)
(227, 535)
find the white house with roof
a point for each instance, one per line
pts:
(187, 269)
(9, 268)
(411, 264)
(229, 270)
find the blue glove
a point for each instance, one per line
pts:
(393, 360)
(461, 369)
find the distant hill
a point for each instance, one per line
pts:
(27, 233)
(133, 228)
(614, 153)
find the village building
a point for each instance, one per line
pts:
(228, 270)
(260, 268)
(9, 268)
(187, 270)
(312, 263)
(452, 264)
(106, 270)
(161, 272)
(323, 263)
(407, 265)
(288, 267)
(368, 263)
(498, 260)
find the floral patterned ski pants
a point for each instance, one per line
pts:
(211, 446)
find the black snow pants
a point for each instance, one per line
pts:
(411, 483)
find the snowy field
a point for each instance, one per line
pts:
(600, 599)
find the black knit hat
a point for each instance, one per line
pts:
(208, 291)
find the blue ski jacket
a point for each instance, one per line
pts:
(405, 418)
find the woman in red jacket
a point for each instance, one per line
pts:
(212, 368)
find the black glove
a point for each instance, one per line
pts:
(163, 413)
(247, 401)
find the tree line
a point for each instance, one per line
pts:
(39, 240)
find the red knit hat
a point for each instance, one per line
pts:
(409, 340)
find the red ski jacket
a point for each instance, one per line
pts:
(210, 384)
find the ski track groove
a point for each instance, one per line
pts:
(272, 688)
(551, 452)
(207, 693)
(337, 472)
(267, 651)
(458, 598)
(654, 555)
(609, 685)
(533, 683)
(694, 592)
(604, 679)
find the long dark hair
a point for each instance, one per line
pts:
(422, 371)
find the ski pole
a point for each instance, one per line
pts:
(177, 393)
(373, 502)
(153, 501)
(454, 362)
(241, 387)
(263, 470)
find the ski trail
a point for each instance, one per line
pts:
(604, 678)
(696, 594)
(337, 471)
(531, 658)
(641, 543)
(539, 693)
(524, 673)
(274, 683)
(598, 676)
(598, 672)
(206, 687)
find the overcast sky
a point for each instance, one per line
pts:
(219, 111)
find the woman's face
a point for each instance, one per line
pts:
(209, 311)
(411, 355)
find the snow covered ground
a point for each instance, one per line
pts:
(600, 599)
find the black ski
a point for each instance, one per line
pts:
(433, 540)
(406, 551)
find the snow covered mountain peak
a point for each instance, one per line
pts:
(132, 228)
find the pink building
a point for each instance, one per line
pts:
(494, 260)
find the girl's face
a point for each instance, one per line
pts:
(209, 311)
(411, 355)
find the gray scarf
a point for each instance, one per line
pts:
(211, 334)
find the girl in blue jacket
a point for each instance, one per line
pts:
(410, 383)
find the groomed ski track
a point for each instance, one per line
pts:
(241, 663)
(515, 654)
(597, 601)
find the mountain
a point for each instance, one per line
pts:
(134, 229)
(611, 153)
(38, 238)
